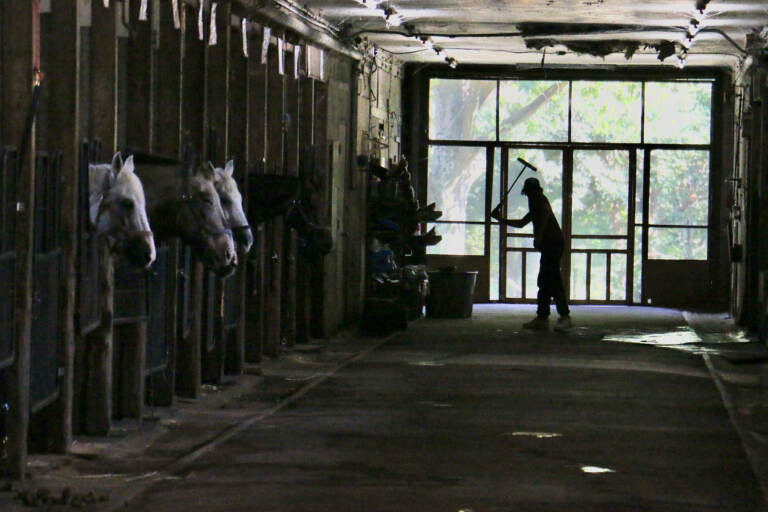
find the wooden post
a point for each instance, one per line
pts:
(21, 52)
(237, 149)
(169, 85)
(274, 227)
(257, 144)
(217, 104)
(64, 133)
(320, 200)
(291, 166)
(166, 141)
(306, 162)
(140, 80)
(132, 362)
(103, 115)
(188, 370)
(139, 129)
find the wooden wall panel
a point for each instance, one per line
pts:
(20, 32)
(274, 228)
(257, 146)
(64, 134)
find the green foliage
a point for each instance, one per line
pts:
(606, 111)
(609, 111)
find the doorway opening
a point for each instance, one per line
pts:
(626, 165)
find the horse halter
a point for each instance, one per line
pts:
(237, 229)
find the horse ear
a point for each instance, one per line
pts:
(229, 169)
(117, 162)
(207, 172)
(212, 167)
(128, 165)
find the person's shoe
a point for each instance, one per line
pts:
(537, 324)
(563, 323)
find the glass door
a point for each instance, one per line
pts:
(592, 195)
(602, 209)
(518, 259)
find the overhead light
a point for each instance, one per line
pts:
(452, 63)
(438, 50)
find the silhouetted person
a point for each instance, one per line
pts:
(548, 240)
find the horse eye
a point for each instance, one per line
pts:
(225, 201)
(127, 204)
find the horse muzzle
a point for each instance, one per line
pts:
(243, 238)
(139, 249)
(223, 257)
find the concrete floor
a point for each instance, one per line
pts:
(632, 410)
(481, 415)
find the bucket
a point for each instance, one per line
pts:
(451, 293)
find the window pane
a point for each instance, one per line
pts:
(462, 109)
(514, 275)
(456, 182)
(678, 112)
(639, 178)
(459, 239)
(533, 110)
(637, 271)
(550, 175)
(598, 243)
(679, 187)
(531, 274)
(677, 243)
(600, 191)
(494, 285)
(598, 272)
(495, 193)
(606, 111)
(578, 276)
(618, 277)
(520, 242)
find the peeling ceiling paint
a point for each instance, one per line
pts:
(573, 31)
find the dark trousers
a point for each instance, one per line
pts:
(551, 283)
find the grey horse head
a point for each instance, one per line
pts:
(202, 222)
(232, 204)
(117, 210)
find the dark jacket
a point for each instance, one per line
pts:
(547, 234)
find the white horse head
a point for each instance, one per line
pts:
(232, 204)
(118, 209)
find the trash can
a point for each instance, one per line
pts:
(451, 293)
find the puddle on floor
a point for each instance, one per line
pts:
(596, 470)
(681, 336)
(537, 435)
(426, 363)
(685, 339)
(435, 404)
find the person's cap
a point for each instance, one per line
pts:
(530, 185)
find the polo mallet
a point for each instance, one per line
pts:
(526, 165)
